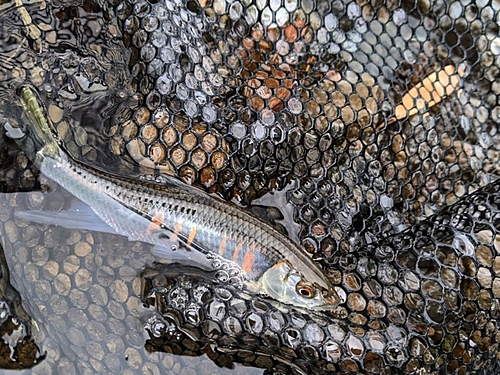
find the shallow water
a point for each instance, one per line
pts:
(83, 291)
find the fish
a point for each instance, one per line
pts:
(175, 217)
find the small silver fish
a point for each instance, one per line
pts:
(174, 213)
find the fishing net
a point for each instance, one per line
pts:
(378, 120)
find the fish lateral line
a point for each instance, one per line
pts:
(114, 197)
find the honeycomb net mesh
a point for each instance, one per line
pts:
(241, 97)
(385, 115)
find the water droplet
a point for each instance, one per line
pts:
(232, 325)
(211, 329)
(395, 355)
(259, 131)
(376, 342)
(193, 314)
(292, 337)
(254, 323)
(238, 129)
(223, 294)
(355, 346)
(238, 307)
(201, 294)
(178, 297)
(217, 310)
(313, 334)
(399, 17)
(156, 326)
(333, 351)
(336, 332)
(276, 321)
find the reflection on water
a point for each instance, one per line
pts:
(83, 290)
(240, 98)
(103, 304)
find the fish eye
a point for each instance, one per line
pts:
(305, 290)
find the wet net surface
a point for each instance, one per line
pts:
(385, 114)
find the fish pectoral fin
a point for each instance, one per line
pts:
(77, 216)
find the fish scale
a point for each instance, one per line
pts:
(137, 200)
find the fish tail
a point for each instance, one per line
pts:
(40, 129)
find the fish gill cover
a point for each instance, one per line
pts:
(384, 113)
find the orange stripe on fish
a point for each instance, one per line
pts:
(192, 235)
(177, 229)
(222, 245)
(249, 259)
(237, 251)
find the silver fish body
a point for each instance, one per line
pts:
(164, 215)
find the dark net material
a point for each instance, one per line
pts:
(421, 301)
(385, 114)
(308, 90)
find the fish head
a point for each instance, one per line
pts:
(285, 284)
